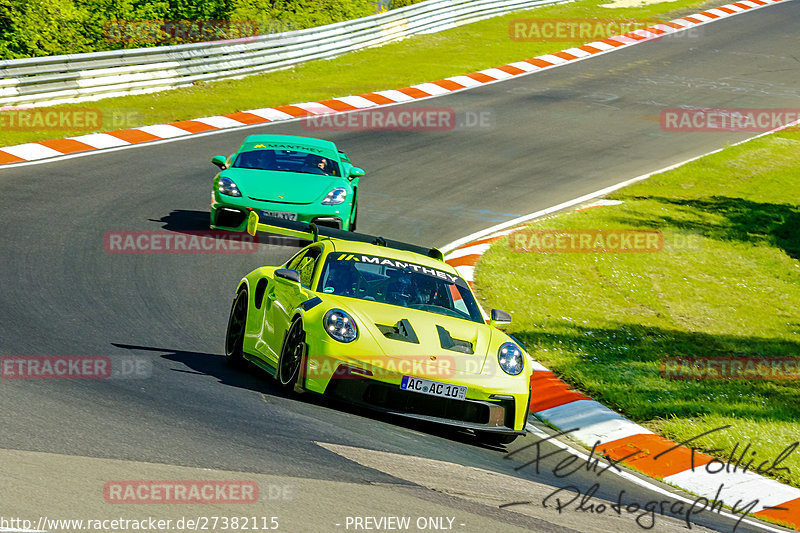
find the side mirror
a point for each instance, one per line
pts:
(221, 161)
(499, 318)
(356, 172)
(288, 274)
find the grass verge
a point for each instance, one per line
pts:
(414, 60)
(726, 283)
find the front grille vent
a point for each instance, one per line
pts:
(401, 331)
(449, 343)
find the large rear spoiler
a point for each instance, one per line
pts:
(309, 231)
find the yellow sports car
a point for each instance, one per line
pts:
(383, 324)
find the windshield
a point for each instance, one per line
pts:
(379, 279)
(287, 161)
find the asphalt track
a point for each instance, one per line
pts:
(555, 135)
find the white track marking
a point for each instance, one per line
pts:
(447, 248)
(219, 122)
(165, 131)
(100, 140)
(596, 422)
(31, 151)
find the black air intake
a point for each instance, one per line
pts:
(449, 343)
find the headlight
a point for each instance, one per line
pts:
(340, 326)
(335, 197)
(511, 359)
(227, 186)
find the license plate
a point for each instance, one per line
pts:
(280, 214)
(434, 388)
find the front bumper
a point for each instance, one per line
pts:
(493, 404)
(230, 213)
(494, 416)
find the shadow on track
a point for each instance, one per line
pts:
(192, 222)
(181, 220)
(254, 379)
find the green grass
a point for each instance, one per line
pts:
(604, 321)
(417, 59)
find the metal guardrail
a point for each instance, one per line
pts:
(81, 77)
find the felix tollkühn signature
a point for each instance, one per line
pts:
(570, 497)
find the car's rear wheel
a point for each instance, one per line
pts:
(234, 337)
(495, 439)
(294, 349)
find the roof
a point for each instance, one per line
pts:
(404, 256)
(291, 140)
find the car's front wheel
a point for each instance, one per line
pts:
(292, 354)
(234, 337)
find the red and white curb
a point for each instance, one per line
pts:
(86, 144)
(593, 424)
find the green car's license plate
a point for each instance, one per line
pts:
(280, 214)
(434, 388)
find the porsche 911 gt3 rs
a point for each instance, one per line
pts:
(383, 324)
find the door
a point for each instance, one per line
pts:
(284, 296)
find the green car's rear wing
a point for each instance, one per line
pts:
(310, 231)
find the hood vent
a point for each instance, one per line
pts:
(449, 343)
(402, 331)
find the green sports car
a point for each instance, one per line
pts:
(283, 176)
(386, 325)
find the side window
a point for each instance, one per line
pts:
(305, 265)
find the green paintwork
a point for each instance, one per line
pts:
(286, 191)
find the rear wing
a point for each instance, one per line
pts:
(309, 231)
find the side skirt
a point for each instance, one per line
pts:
(260, 363)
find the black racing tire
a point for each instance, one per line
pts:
(234, 336)
(495, 439)
(294, 348)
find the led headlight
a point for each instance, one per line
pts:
(511, 358)
(340, 326)
(335, 197)
(227, 186)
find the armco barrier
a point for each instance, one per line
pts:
(81, 77)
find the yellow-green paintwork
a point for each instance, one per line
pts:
(387, 359)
